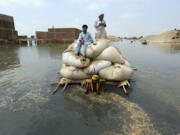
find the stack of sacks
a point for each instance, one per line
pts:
(103, 59)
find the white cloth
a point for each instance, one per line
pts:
(100, 30)
(86, 37)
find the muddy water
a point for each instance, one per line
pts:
(152, 106)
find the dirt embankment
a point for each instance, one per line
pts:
(172, 36)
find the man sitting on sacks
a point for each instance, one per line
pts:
(84, 40)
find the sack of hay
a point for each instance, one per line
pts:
(73, 73)
(71, 59)
(116, 72)
(92, 50)
(96, 66)
(111, 54)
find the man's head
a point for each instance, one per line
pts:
(101, 17)
(95, 78)
(84, 28)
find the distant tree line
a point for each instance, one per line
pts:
(133, 38)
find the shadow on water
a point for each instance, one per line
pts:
(27, 107)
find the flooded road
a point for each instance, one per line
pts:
(151, 108)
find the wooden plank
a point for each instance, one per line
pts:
(120, 84)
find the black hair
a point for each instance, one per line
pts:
(84, 26)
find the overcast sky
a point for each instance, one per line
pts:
(124, 17)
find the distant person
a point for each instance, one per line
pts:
(100, 26)
(84, 40)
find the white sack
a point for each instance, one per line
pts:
(126, 61)
(116, 72)
(74, 73)
(119, 50)
(96, 66)
(92, 50)
(70, 47)
(111, 54)
(69, 58)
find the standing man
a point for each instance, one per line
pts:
(100, 25)
(84, 40)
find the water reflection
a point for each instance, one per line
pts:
(169, 48)
(26, 74)
(151, 107)
(54, 52)
(8, 57)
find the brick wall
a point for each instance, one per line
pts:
(58, 35)
(41, 35)
(7, 29)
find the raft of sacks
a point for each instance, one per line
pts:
(103, 59)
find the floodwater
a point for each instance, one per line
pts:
(151, 108)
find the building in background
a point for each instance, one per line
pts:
(8, 34)
(58, 35)
(22, 40)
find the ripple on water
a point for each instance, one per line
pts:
(21, 95)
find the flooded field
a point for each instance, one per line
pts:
(151, 108)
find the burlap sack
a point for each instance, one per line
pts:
(111, 54)
(96, 66)
(74, 73)
(116, 72)
(69, 58)
(94, 50)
